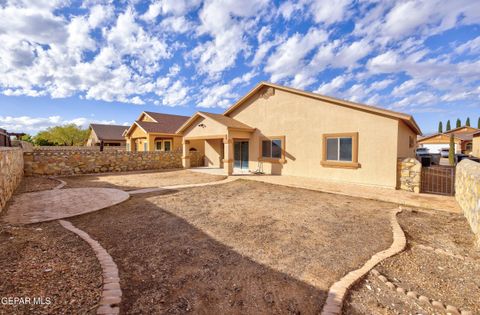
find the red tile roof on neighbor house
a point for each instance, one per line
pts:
(109, 132)
(165, 123)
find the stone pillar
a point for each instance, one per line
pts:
(228, 156)
(186, 154)
(409, 171)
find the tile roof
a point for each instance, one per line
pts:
(109, 132)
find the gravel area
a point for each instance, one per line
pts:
(45, 261)
(236, 248)
(31, 184)
(435, 275)
(139, 180)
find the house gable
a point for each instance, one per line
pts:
(200, 126)
(463, 129)
(265, 90)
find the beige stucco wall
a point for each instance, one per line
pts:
(92, 138)
(213, 152)
(199, 145)
(405, 133)
(476, 146)
(303, 121)
(212, 128)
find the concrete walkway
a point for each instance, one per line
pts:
(435, 202)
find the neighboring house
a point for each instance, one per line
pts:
(463, 137)
(280, 130)
(4, 138)
(110, 135)
(476, 144)
(157, 132)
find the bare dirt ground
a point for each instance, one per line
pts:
(437, 276)
(139, 180)
(237, 248)
(47, 262)
(31, 184)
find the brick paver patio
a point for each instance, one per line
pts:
(60, 203)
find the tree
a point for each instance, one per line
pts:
(448, 125)
(467, 123)
(65, 135)
(27, 138)
(451, 152)
(440, 127)
(459, 123)
(478, 124)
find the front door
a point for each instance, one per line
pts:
(240, 153)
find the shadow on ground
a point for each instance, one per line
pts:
(168, 266)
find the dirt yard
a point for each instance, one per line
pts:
(437, 276)
(47, 262)
(139, 180)
(237, 248)
(242, 247)
(31, 184)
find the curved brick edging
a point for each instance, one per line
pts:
(61, 185)
(338, 290)
(112, 294)
(438, 305)
(444, 252)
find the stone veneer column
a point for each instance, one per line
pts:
(186, 154)
(228, 156)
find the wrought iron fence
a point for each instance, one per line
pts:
(438, 180)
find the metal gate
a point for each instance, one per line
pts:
(438, 180)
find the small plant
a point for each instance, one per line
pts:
(451, 152)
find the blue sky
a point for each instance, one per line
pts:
(107, 61)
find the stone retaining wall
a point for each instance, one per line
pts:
(78, 148)
(467, 193)
(40, 163)
(409, 172)
(11, 172)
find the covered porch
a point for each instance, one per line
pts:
(226, 142)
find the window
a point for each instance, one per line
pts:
(272, 148)
(167, 145)
(411, 142)
(145, 146)
(128, 146)
(469, 146)
(340, 150)
(163, 145)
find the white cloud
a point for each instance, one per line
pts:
(30, 124)
(470, 47)
(327, 11)
(288, 58)
(332, 87)
(226, 22)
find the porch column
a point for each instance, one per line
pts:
(228, 156)
(186, 154)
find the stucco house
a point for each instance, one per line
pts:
(110, 135)
(280, 130)
(476, 144)
(463, 138)
(156, 132)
